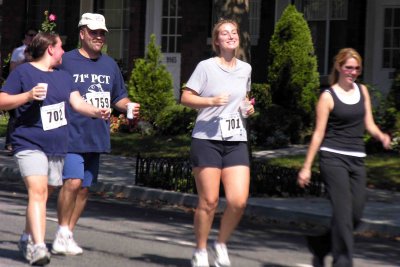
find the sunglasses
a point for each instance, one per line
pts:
(352, 68)
(31, 34)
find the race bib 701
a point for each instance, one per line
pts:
(231, 124)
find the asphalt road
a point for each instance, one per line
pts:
(117, 233)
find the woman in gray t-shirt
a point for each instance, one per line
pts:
(217, 89)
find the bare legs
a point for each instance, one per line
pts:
(236, 182)
(71, 202)
(36, 210)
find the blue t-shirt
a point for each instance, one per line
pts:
(94, 79)
(29, 133)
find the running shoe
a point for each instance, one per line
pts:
(221, 258)
(65, 245)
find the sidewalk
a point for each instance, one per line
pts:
(117, 175)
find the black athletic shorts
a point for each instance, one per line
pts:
(219, 154)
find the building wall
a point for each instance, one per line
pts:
(137, 31)
(259, 53)
(196, 29)
(13, 25)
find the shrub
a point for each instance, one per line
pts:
(292, 72)
(151, 83)
(175, 119)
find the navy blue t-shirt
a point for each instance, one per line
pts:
(91, 78)
(29, 133)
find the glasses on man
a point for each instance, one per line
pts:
(31, 34)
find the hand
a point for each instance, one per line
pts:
(103, 113)
(303, 178)
(37, 93)
(135, 110)
(250, 110)
(386, 142)
(220, 100)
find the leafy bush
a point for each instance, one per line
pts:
(292, 72)
(175, 119)
(151, 83)
(262, 93)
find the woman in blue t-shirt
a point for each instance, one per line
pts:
(39, 93)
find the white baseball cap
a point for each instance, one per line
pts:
(93, 21)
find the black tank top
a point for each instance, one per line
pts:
(345, 128)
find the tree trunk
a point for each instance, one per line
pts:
(237, 10)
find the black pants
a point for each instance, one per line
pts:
(345, 180)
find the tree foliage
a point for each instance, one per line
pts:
(151, 83)
(292, 73)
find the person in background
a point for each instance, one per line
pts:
(17, 57)
(219, 152)
(343, 114)
(40, 137)
(99, 80)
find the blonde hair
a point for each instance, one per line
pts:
(340, 59)
(215, 33)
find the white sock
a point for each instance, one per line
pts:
(200, 250)
(43, 245)
(25, 236)
(64, 230)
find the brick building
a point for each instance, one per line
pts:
(183, 29)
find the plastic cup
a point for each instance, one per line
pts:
(244, 107)
(44, 85)
(129, 111)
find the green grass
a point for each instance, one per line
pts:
(383, 170)
(152, 146)
(3, 123)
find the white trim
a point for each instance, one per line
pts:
(153, 21)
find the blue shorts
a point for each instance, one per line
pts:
(83, 166)
(218, 154)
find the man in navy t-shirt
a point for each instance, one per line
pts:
(99, 80)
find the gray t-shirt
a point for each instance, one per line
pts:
(209, 79)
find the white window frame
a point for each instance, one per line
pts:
(390, 47)
(321, 10)
(176, 36)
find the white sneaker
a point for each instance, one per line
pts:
(221, 258)
(40, 256)
(26, 247)
(65, 245)
(200, 259)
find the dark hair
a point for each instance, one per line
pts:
(39, 44)
(27, 30)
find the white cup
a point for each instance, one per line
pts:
(44, 85)
(129, 111)
(244, 107)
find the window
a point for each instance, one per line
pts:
(391, 38)
(171, 32)
(116, 13)
(326, 19)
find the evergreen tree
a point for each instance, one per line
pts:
(151, 83)
(292, 73)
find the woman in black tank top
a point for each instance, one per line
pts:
(343, 114)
